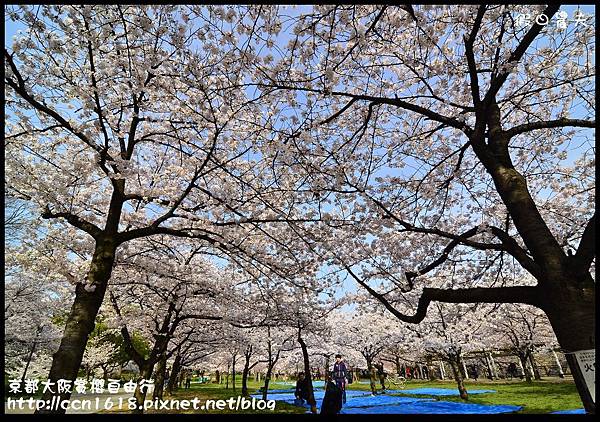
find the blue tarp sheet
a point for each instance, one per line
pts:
(364, 402)
(438, 391)
(287, 390)
(288, 396)
(432, 407)
(570, 412)
(372, 401)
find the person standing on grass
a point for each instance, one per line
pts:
(381, 374)
(340, 375)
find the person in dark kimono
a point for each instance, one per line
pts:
(340, 375)
(332, 401)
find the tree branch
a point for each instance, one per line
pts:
(527, 127)
(75, 221)
(151, 230)
(515, 250)
(471, 56)
(196, 316)
(518, 53)
(133, 353)
(587, 245)
(20, 89)
(516, 294)
(384, 100)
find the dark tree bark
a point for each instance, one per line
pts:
(458, 377)
(247, 368)
(311, 394)
(398, 364)
(271, 362)
(159, 350)
(245, 376)
(572, 314)
(104, 373)
(523, 358)
(327, 359)
(172, 384)
(534, 367)
(159, 382)
(80, 322)
(227, 377)
(233, 370)
(140, 394)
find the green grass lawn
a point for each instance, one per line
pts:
(547, 395)
(544, 396)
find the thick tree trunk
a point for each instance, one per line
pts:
(568, 288)
(455, 364)
(159, 382)
(489, 367)
(218, 377)
(572, 313)
(372, 376)
(524, 358)
(398, 364)
(267, 380)
(463, 367)
(140, 396)
(431, 370)
(561, 373)
(172, 384)
(524, 364)
(227, 378)
(311, 394)
(245, 376)
(534, 367)
(80, 322)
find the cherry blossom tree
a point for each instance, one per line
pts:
(451, 332)
(457, 141)
(127, 122)
(431, 153)
(523, 329)
(205, 340)
(98, 354)
(32, 315)
(367, 333)
(163, 300)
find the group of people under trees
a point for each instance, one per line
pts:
(335, 388)
(337, 379)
